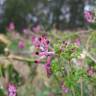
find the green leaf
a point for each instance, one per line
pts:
(2, 93)
(14, 76)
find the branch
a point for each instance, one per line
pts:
(20, 58)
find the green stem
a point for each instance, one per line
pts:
(88, 41)
(73, 91)
(81, 85)
(19, 58)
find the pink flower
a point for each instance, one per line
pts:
(49, 60)
(90, 71)
(36, 29)
(21, 44)
(12, 90)
(48, 70)
(44, 44)
(25, 31)
(42, 54)
(77, 42)
(46, 53)
(88, 16)
(11, 26)
(35, 41)
(64, 88)
(40, 42)
(48, 66)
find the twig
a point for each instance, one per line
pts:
(19, 58)
(89, 55)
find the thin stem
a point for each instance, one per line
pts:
(19, 58)
(81, 85)
(81, 81)
(88, 41)
(71, 72)
(73, 91)
(89, 55)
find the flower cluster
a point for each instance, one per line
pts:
(36, 28)
(42, 44)
(90, 71)
(64, 88)
(21, 44)
(48, 66)
(12, 90)
(88, 16)
(11, 26)
(77, 42)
